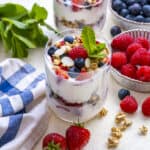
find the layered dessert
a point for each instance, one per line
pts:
(78, 13)
(76, 66)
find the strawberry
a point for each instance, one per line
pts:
(129, 104)
(77, 137)
(132, 48)
(146, 107)
(118, 59)
(54, 141)
(143, 73)
(75, 4)
(121, 42)
(129, 70)
(144, 42)
(61, 73)
(78, 52)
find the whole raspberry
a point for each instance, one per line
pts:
(78, 52)
(129, 104)
(118, 59)
(140, 57)
(121, 42)
(146, 107)
(143, 73)
(129, 70)
(132, 48)
(144, 42)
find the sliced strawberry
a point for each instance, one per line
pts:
(61, 73)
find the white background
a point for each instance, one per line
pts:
(100, 128)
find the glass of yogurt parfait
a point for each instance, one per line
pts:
(78, 13)
(76, 64)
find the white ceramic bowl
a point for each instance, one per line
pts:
(125, 81)
(127, 24)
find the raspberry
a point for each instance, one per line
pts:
(78, 52)
(140, 57)
(146, 107)
(129, 70)
(132, 48)
(144, 42)
(118, 59)
(143, 73)
(121, 42)
(129, 104)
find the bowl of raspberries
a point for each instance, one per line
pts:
(131, 14)
(130, 61)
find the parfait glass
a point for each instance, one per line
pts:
(75, 99)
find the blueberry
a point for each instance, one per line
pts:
(69, 39)
(146, 10)
(115, 30)
(73, 72)
(142, 2)
(130, 2)
(79, 62)
(135, 9)
(124, 12)
(87, 5)
(130, 17)
(139, 18)
(147, 19)
(51, 50)
(123, 93)
(100, 64)
(117, 5)
(124, 5)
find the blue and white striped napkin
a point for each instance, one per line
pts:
(23, 111)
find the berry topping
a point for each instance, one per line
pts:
(77, 137)
(123, 93)
(129, 70)
(144, 42)
(146, 107)
(146, 10)
(115, 30)
(129, 104)
(78, 52)
(73, 72)
(52, 50)
(54, 141)
(61, 73)
(121, 42)
(118, 59)
(69, 39)
(135, 9)
(143, 73)
(79, 62)
(132, 48)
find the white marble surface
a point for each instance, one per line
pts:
(100, 128)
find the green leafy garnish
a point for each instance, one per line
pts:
(94, 50)
(20, 29)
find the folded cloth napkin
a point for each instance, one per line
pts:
(23, 112)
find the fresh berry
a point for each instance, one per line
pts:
(130, 2)
(75, 4)
(124, 12)
(144, 42)
(100, 64)
(52, 50)
(78, 52)
(79, 62)
(146, 10)
(143, 73)
(77, 137)
(146, 107)
(135, 9)
(118, 59)
(121, 42)
(140, 57)
(129, 104)
(123, 93)
(132, 48)
(54, 141)
(73, 72)
(61, 73)
(139, 18)
(117, 5)
(115, 30)
(129, 70)
(69, 39)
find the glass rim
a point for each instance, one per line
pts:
(82, 6)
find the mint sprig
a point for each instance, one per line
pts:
(94, 50)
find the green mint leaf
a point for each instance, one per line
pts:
(101, 46)
(11, 10)
(98, 56)
(38, 13)
(88, 38)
